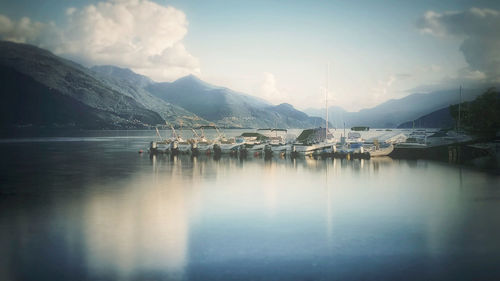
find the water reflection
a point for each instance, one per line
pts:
(116, 215)
(142, 226)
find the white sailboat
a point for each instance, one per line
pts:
(328, 143)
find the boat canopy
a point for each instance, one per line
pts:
(257, 136)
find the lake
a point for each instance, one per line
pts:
(92, 208)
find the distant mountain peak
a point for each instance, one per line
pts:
(113, 69)
(190, 78)
(122, 73)
(285, 105)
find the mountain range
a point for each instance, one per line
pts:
(395, 112)
(42, 90)
(440, 118)
(228, 108)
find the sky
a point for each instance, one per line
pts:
(276, 50)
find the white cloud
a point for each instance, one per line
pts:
(384, 88)
(380, 91)
(22, 31)
(138, 34)
(70, 11)
(268, 89)
(479, 30)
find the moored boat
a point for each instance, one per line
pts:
(382, 150)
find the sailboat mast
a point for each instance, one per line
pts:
(459, 109)
(326, 97)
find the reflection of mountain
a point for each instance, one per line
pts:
(116, 215)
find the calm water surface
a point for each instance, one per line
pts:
(94, 209)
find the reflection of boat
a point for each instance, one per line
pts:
(281, 148)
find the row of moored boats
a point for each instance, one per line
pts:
(268, 142)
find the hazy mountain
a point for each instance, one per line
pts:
(40, 89)
(43, 90)
(437, 119)
(286, 115)
(396, 111)
(123, 74)
(336, 115)
(27, 102)
(207, 101)
(134, 85)
(229, 108)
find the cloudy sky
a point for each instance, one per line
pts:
(277, 50)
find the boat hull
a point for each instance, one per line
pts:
(310, 149)
(226, 148)
(382, 152)
(184, 147)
